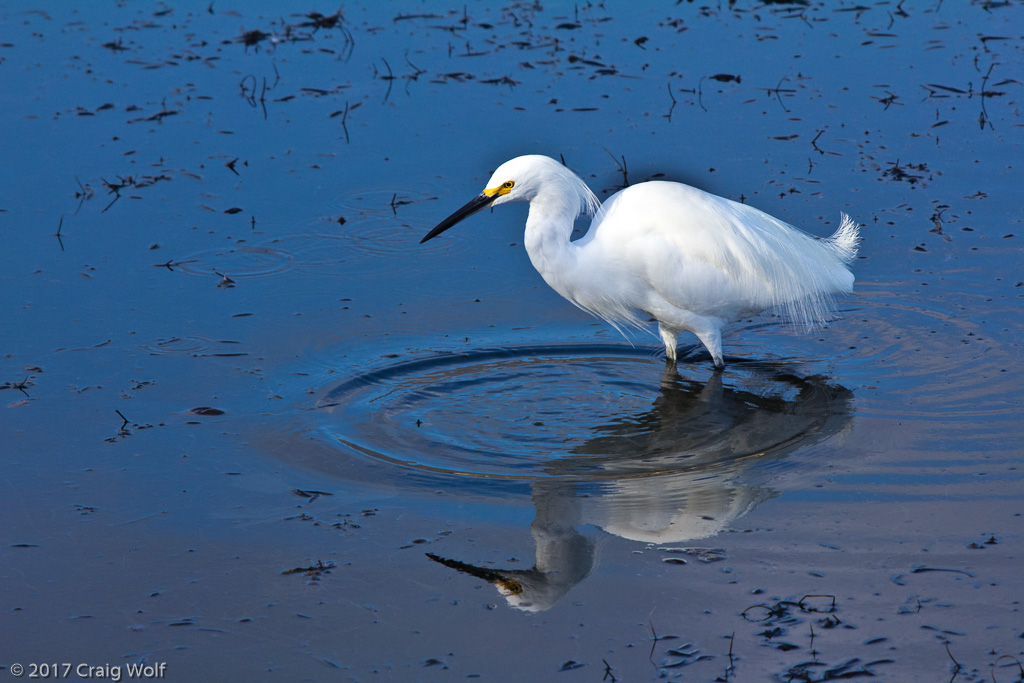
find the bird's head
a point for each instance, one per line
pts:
(521, 179)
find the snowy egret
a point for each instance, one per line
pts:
(691, 260)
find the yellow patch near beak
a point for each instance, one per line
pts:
(504, 188)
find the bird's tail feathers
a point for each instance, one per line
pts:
(846, 240)
(806, 293)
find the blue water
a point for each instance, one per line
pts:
(191, 222)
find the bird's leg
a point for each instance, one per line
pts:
(670, 376)
(711, 337)
(669, 337)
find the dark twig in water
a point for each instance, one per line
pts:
(889, 99)
(923, 569)
(814, 144)
(983, 118)
(892, 18)
(263, 98)
(608, 675)
(416, 70)
(20, 386)
(390, 78)
(806, 608)
(700, 94)
(778, 90)
(115, 189)
(672, 108)
(622, 168)
(395, 202)
(936, 219)
(250, 97)
(312, 495)
(956, 664)
(654, 642)
(245, 90)
(314, 571)
(160, 115)
(1020, 667)
(57, 234)
(114, 46)
(84, 192)
(172, 264)
(698, 91)
(729, 670)
(319, 21)
(900, 173)
(350, 43)
(936, 90)
(344, 119)
(343, 113)
(125, 423)
(504, 80)
(252, 39)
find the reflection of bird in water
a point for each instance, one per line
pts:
(562, 558)
(684, 470)
(693, 261)
(693, 424)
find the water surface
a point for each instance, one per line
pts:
(254, 430)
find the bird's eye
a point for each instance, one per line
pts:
(508, 184)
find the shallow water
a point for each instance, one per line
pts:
(226, 357)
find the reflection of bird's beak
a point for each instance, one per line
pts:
(478, 203)
(509, 585)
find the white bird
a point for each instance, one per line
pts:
(691, 260)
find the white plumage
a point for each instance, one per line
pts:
(693, 261)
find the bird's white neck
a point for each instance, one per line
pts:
(548, 228)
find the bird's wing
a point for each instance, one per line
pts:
(700, 251)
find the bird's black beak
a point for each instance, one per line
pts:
(478, 203)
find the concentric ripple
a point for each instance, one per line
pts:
(242, 261)
(931, 357)
(192, 346)
(362, 246)
(597, 412)
(365, 232)
(385, 202)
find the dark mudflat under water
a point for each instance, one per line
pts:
(252, 430)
